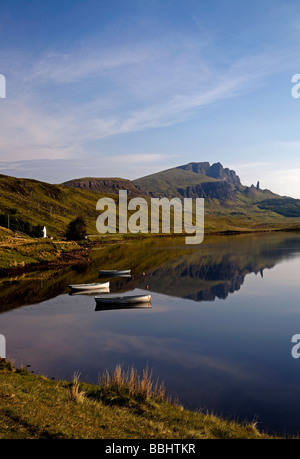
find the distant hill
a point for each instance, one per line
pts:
(214, 182)
(104, 185)
(51, 205)
(215, 171)
(227, 200)
(171, 182)
(198, 180)
(229, 205)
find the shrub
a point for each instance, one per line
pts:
(76, 230)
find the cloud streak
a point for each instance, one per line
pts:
(94, 92)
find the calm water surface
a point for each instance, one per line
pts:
(218, 332)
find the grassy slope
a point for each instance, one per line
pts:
(18, 250)
(56, 205)
(51, 205)
(104, 185)
(251, 210)
(166, 182)
(34, 407)
(245, 213)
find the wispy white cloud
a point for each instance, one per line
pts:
(87, 62)
(61, 101)
(247, 166)
(142, 157)
(283, 179)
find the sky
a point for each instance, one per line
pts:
(126, 88)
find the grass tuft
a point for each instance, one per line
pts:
(34, 407)
(129, 384)
(6, 365)
(76, 395)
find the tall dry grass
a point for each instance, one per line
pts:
(76, 395)
(131, 384)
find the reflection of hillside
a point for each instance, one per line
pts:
(204, 277)
(41, 286)
(202, 285)
(212, 270)
(204, 281)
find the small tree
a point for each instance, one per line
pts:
(76, 230)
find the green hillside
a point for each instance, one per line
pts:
(166, 183)
(229, 206)
(104, 185)
(51, 205)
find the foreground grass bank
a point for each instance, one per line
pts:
(19, 250)
(122, 406)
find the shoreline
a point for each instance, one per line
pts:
(80, 254)
(121, 406)
(83, 253)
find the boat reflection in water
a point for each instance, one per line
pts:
(90, 292)
(114, 273)
(122, 302)
(113, 306)
(89, 288)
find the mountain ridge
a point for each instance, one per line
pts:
(229, 205)
(218, 185)
(215, 170)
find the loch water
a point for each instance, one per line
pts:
(218, 332)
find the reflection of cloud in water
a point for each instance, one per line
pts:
(55, 335)
(168, 350)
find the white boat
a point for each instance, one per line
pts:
(114, 272)
(95, 286)
(128, 299)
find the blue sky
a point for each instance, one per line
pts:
(127, 88)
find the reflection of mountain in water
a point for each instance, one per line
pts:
(207, 282)
(212, 270)
(227, 274)
(203, 276)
